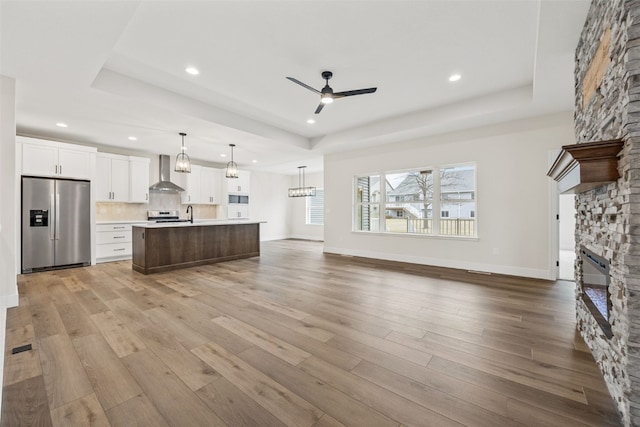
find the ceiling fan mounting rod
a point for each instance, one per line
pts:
(327, 75)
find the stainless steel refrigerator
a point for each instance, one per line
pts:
(56, 223)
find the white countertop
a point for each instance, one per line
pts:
(202, 222)
(131, 221)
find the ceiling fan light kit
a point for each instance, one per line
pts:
(327, 95)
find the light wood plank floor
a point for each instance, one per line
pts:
(298, 338)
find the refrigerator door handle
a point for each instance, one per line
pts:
(52, 203)
(57, 216)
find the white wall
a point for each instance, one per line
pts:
(8, 217)
(298, 228)
(268, 202)
(8, 187)
(567, 233)
(513, 200)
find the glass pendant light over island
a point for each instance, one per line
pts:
(232, 167)
(301, 190)
(183, 163)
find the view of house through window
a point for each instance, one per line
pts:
(409, 199)
(367, 212)
(315, 208)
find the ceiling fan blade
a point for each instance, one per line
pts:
(354, 92)
(306, 86)
(320, 107)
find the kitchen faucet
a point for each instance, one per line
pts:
(190, 208)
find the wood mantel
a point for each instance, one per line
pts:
(583, 167)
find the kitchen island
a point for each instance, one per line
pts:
(159, 247)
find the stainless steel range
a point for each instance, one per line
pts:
(165, 216)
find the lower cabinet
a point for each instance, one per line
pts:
(237, 211)
(166, 248)
(113, 241)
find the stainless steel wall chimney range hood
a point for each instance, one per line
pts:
(165, 185)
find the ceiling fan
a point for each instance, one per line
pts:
(327, 95)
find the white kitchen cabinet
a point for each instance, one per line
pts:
(210, 186)
(113, 241)
(112, 178)
(237, 211)
(56, 159)
(139, 179)
(235, 195)
(191, 184)
(239, 185)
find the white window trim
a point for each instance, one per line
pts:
(436, 203)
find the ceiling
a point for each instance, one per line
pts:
(114, 69)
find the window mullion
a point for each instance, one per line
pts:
(435, 203)
(383, 203)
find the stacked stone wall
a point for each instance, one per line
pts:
(604, 215)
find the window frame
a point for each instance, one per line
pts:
(436, 202)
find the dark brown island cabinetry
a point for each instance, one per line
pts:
(171, 247)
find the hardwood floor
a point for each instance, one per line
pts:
(298, 338)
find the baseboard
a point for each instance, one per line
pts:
(447, 263)
(270, 238)
(306, 237)
(8, 301)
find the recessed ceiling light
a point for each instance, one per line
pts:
(223, 155)
(311, 121)
(254, 161)
(454, 77)
(192, 70)
(132, 138)
(62, 125)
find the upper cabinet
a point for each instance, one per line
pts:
(112, 178)
(122, 178)
(239, 185)
(56, 159)
(139, 179)
(201, 186)
(191, 184)
(210, 186)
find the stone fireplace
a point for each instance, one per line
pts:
(607, 106)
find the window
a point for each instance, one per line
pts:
(367, 216)
(315, 208)
(409, 199)
(457, 199)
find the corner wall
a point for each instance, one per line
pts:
(8, 187)
(298, 227)
(513, 198)
(8, 218)
(268, 203)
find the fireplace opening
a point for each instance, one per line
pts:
(595, 288)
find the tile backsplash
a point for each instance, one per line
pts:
(108, 211)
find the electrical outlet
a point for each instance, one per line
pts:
(496, 251)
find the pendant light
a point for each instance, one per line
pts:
(232, 167)
(301, 190)
(183, 164)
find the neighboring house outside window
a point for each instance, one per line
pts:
(409, 198)
(367, 215)
(315, 208)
